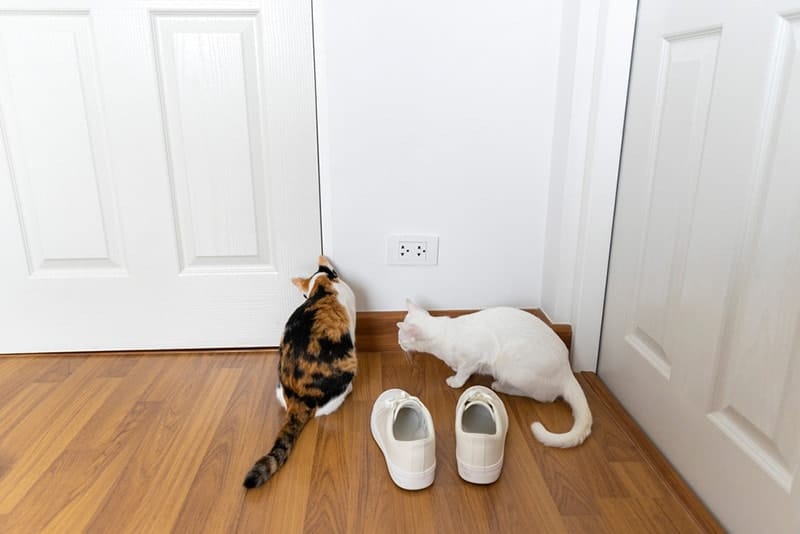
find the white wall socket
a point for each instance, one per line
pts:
(412, 249)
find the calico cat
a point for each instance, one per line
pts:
(523, 354)
(316, 365)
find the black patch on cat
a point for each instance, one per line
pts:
(298, 327)
(295, 336)
(289, 392)
(333, 275)
(330, 351)
(298, 373)
(333, 385)
(279, 450)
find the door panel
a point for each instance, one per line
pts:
(158, 178)
(686, 72)
(56, 139)
(701, 337)
(208, 69)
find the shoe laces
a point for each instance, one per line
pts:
(480, 396)
(399, 401)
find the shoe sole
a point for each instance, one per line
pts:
(404, 479)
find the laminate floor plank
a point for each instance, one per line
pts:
(231, 452)
(47, 429)
(161, 441)
(99, 452)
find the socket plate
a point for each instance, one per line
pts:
(412, 249)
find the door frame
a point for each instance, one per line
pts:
(594, 69)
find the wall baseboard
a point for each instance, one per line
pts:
(376, 331)
(706, 521)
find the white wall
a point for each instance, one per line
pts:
(437, 118)
(496, 126)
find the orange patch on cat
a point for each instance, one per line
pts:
(331, 318)
(302, 284)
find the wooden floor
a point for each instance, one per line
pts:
(161, 443)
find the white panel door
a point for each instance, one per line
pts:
(701, 337)
(158, 172)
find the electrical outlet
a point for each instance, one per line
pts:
(414, 250)
(405, 249)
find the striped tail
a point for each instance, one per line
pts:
(297, 416)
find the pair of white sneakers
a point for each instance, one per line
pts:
(403, 428)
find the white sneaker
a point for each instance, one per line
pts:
(481, 426)
(403, 429)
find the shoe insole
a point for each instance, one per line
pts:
(409, 425)
(477, 419)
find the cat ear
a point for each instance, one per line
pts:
(301, 283)
(414, 308)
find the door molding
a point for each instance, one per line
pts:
(587, 142)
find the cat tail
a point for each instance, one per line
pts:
(582, 426)
(297, 415)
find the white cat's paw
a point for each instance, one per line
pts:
(454, 382)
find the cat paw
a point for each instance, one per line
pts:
(454, 382)
(498, 387)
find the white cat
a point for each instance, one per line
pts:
(520, 351)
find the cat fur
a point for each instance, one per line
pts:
(519, 350)
(316, 365)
